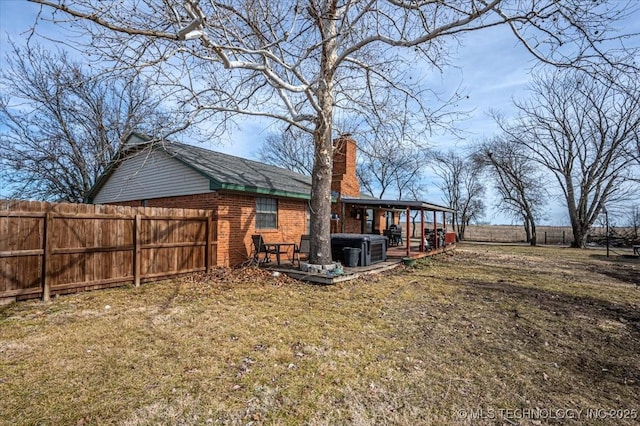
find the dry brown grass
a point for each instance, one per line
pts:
(486, 327)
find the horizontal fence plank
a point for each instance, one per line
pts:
(172, 273)
(21, 253)
(174, 245)
(33, 215)
(66, 286)
(76, 250)
(181, 218)
(81, 216)
(21, 292)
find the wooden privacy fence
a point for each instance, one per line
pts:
(56, 248)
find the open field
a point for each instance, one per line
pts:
(560, 235)
(509, 334)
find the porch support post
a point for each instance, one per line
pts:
(435, 230)
(444, 229)
(422, 247)
(408, 235)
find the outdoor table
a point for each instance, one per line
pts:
(276, 247)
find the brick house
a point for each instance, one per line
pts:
(246, 197)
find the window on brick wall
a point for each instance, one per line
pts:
(266, 213)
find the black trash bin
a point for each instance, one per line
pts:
(351, 256)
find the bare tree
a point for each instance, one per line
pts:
(390, 168)
(61, 126)
(291, 149)
(392, 154)
(582, 130)
(383, 168)
(517, 180)
(461, 184)
(415, 191)
(302, 61)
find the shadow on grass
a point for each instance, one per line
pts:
(625, 268)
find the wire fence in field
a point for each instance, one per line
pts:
(561, 235)
(515, 234)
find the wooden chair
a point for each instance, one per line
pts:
(303, 248)
(260, 248)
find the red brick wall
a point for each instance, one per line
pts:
(236, 225)
(235, 217)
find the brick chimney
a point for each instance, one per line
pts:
(344, 180)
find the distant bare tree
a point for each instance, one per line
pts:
(390, 168)
(517, 179)
(383, 168)
(582, 130)
(291, 149)
(299, 62)
(61, 126)
(634, 222)
(415, 191)
(461, 184)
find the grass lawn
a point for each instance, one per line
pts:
(505, 334)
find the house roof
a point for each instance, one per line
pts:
(229, 172)
(224, 171)
(234, 173)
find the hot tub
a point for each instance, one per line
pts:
(373, 248)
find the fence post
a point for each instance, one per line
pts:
(46, 255)
(137, 250)
(545, 237)
(563, 241)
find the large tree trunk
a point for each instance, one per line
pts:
(580, 233)
(320, 238)
(579, 239)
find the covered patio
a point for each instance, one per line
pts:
(422, 230)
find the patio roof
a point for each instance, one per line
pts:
(396, 204)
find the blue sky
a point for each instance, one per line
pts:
(490, 65)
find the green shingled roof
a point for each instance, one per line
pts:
(224, 171)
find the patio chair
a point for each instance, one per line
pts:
(303, 248)
(260, 248)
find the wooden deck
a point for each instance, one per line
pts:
(395, 256)
(415, 253)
